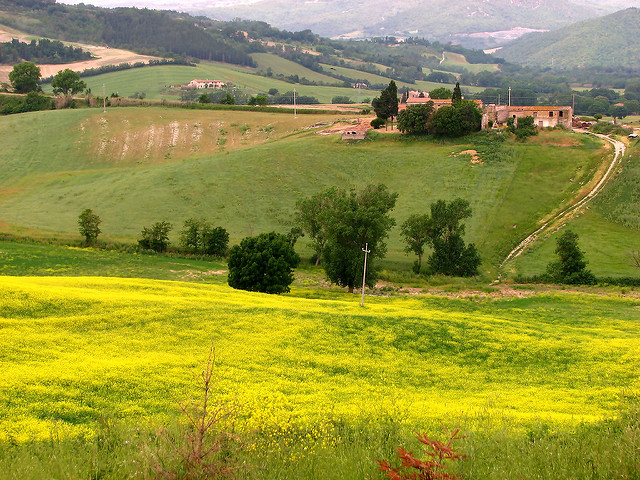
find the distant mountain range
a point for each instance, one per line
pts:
(607, 42)
(472, 23)
(475, 23)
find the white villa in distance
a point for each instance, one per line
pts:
(196, 83)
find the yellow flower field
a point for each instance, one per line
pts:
(77, 350)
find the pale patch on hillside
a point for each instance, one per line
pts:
(150, 136)
(103, 56)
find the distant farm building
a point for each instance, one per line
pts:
(217, 84)
(543, 116)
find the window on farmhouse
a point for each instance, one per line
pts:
(560, 113)
(551, 114)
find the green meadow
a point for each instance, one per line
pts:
(101, 345)
(245, 171)
(607, 229)
(156, 82)
(457, 60)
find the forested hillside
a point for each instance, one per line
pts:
(610, 42)
(143, 31)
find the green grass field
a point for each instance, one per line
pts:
(135, 166)
(155, 81)
(287, 67)
(608, 230)
(458, 60)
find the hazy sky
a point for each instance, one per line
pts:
(156, 3)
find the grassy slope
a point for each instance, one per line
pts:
(609, 230)
(155, 80)
(295, 361)
(110, 164)
(458, 60)
(287, 67)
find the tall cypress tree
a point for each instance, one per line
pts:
(456, 99)
(386, 105)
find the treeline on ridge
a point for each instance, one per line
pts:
(41, 51)
(145, 31)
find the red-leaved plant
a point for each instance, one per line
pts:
(433, 467)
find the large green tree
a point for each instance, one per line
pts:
(156, 237)
(440, 93)
(413, 119)
(308, 219)
(443, 230)
(456, 120)
(352, 220)
(67, 82)
(571, 267)
(89, 226)
(415, 233)
(25, 77)
(263, 264)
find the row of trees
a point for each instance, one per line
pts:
(25, 78)
(197, 237)
(41, 51)
(341, 224)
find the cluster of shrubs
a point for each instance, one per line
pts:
(198, 237)
(608, 128)
(31, 102)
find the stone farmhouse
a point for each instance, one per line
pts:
(196, 83)
(543, 116)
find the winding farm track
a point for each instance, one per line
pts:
(568, 212)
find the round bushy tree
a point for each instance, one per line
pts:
(262, 264)
(25, 77)
(413, 119)
(67, 82)
(156, 237)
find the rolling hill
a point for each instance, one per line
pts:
(609, 43)
(135, 166)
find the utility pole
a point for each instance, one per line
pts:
(509, 96)
(573, 104)
(499, 100)
(364, 271)
(295, 110)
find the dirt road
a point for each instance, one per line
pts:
(576, 207)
